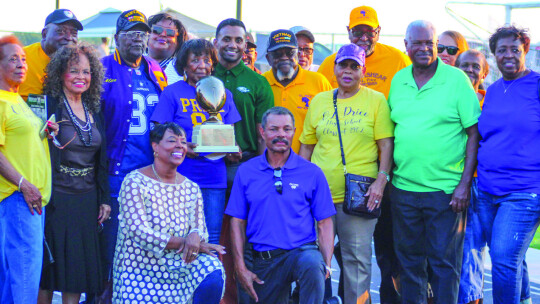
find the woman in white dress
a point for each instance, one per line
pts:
(161, 253)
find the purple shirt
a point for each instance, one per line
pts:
(275, 220)
(178, 104)
(509, 153)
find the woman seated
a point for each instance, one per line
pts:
(161, 252)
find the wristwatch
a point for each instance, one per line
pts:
(386, 174)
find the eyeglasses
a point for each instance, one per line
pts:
(63, 32)
(279, 182)
(289, 52)
(55, 141)
(367, 33)
(451, 50)
(352, 65)
(307, 51)
(158, 30)
(135, 34)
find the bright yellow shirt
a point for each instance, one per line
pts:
(37, 61)
(297, 95)
(363, 119)
(21, 145)
(380, 68)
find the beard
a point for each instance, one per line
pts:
(283, 76)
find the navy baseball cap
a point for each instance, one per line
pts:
(352, 52)
(62, 15)
(280, 39)
(129, 19)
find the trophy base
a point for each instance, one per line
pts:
(214, 138)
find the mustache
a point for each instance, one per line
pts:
(283, 140)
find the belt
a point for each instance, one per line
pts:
(270, 254)
(75, 172)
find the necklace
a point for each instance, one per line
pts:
(506, 88)
(78, 127)
(159, 178)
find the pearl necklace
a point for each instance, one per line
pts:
(159, 178)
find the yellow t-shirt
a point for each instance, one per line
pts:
(363, 119)
(21, 145)
(381, 67)
(37, 61)
(297, 95)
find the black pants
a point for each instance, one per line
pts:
(427, 230)
(303, 265)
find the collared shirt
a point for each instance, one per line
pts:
(252, 97)
(274, 220)
(37, 61)
(381, 66)
(116, 103)
(297, 95)
(430, 136)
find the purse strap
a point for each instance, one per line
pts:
(339, 132)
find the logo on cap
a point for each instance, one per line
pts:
(68, 14)
(363, 13)
(282, 38)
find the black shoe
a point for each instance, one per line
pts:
(333, 300)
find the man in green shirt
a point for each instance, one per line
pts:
(252, 96)
(436, 113)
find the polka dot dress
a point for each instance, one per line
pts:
(150, 213)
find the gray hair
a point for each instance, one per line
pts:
(420, 24)
(275, 111)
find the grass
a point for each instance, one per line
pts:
(536, 240)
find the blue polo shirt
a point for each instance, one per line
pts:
(280, 221)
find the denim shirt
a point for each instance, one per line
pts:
(116, 102)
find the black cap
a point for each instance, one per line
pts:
(280, 39)
(129, 19)
(62, 15)
(250, 41)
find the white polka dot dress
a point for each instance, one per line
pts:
(150, 213)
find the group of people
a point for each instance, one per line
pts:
(109, 198)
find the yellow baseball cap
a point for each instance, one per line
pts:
(363, 15)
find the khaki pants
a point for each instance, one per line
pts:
(355, 234)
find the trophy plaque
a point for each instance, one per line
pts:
(212, 135)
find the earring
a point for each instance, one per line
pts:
(155, 154)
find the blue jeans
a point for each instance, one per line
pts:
(509, 223)
(214, 207)
(210, 289)
(21, 250)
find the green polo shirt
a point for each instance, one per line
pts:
(430, 136)
(252, 96)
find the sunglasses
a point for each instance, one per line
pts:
(306, 50)
(290, 53)
(135, 34)
(368, 33)
(352, 65)
(451, 50)
(158, 30)
(279, 182)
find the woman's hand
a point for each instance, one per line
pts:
(190, 153)
(32, 196)
(52, 127)
(375, 193)
(104, 212)
(191, 247)
(210, 248)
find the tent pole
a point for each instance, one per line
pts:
(57, 4)
(238, 9)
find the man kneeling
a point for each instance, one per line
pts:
(275, 200)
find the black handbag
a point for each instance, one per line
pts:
(356, 186)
